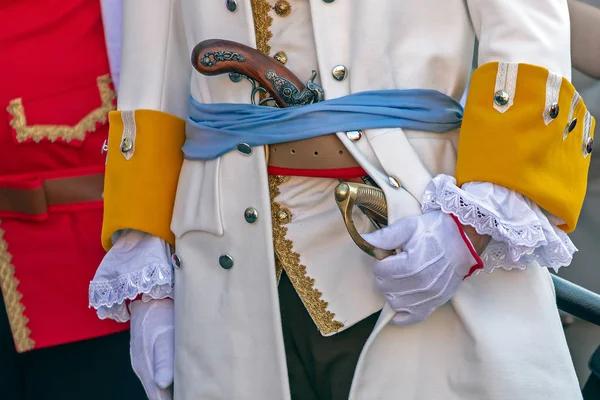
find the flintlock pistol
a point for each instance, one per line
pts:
(216, 56)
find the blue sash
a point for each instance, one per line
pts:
(215, 129)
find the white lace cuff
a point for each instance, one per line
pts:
(520, 231)
(137, 264)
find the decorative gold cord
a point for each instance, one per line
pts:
(289, 260)
(262, 30)
(12, 299)
(65, 132)
(262, 25)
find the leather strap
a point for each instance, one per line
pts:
(322, 152)
(52, 192)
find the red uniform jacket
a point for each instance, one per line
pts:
(56, 92)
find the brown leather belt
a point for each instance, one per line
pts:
(322, 152)
(52, 192)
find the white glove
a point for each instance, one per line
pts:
(153, 346)
(436, 256)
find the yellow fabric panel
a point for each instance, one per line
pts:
(517, 150)
(139, 193)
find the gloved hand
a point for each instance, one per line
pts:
(153, 346)
(435, 257)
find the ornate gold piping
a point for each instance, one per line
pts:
(289, 260)
(262, 30)
(285, 256)
(67, 133)
(12, 300)
(262, 25)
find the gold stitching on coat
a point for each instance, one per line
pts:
(285, 257)
(12, 300)
(289, 260)
(67, 133)
(262, 25)
(262, 30)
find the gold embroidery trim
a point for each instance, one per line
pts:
(285, 256)
(262, 30)
(12, 300)
(67, 133)
(262, 25)
(289, 260)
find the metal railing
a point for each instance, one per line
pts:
(577, 301)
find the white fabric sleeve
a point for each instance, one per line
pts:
(521, 232)
(533, 32)
(137, 264)
(112, 19)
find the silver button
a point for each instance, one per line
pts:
(235, 77)
(393, 182)
(104, 147)
(225, 261)
(251, 215)
(501, 97)
(231, 5)
(589, 146)
(176, 261)
(244, 148)
(572, 125)
(126, 145)
(339, 72)
(553, 110)
(354, 135)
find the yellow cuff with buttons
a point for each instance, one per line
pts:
(142, 169)
(527, 129)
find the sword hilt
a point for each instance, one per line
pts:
(348, 195)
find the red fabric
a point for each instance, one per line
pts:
(478, 261)
(54, 265)
(53, 51)
(338, 173)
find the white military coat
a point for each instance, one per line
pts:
(499, 338)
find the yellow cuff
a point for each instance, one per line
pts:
(142, 170)
(528, 130)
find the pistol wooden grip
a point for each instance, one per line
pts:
(216, 56)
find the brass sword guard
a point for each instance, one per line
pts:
(350, 194)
